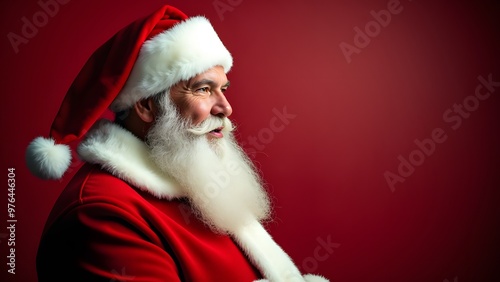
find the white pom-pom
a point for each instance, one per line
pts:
(47, 160)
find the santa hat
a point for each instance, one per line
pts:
(143, 59)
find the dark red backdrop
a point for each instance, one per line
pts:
(331, 104)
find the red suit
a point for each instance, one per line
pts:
(120, 219)
(103, 229)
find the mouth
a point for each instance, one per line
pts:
(217, 133)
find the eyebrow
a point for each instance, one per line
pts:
(207, 81)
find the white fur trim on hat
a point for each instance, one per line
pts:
(315, 278)
(179, 53)
(47, 160)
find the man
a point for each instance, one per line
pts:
(166, 193)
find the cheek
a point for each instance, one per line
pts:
(197, 111)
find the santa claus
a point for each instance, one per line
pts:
(166, 193)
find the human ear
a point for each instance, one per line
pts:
(145, 110)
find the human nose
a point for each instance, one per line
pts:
(221, 105)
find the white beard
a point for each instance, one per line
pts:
(220, 181)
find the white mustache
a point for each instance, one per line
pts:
(210, 124)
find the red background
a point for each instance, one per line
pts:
(325, 169)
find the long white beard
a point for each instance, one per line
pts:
(219, 179)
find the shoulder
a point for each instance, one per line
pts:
(93, 184)
(98, 222)
(95, 189)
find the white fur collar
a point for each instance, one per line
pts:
(126, 157)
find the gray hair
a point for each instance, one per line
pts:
(158, 99)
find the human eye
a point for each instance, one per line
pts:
(205, 89)
(224, 87)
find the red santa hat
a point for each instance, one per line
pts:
(143, 59)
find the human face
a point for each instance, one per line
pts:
(203, 96)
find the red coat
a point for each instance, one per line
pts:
(102, 229)
(130, 222)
